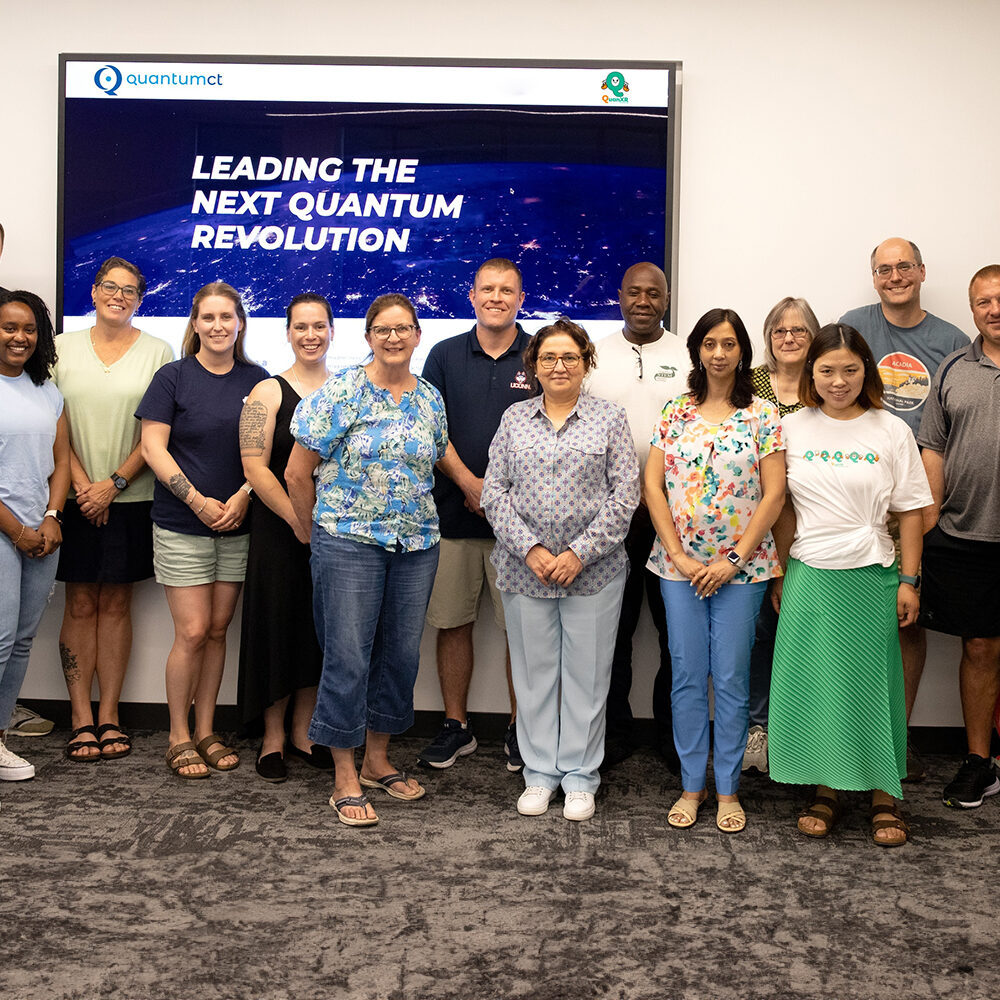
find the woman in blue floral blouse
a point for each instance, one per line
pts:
(371, 435)
(560, 491)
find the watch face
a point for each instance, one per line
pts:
(120, 482)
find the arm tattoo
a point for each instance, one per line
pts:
(70, 668)
(179, 486)
(252, 422)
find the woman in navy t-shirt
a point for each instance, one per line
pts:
(190, 439)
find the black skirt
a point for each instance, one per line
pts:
(120, 551)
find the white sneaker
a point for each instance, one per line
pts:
(578, 805)
(535, 800)
(12, 767)
(755, 757)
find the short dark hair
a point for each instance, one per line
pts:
(302, 299)
(387, 302)
(499, 264)
(742, 393)
(833, 337)
(562, 325)
(39, 365)
(113, 262)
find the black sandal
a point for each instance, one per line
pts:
(76, 744)
(818, 811)
(897, 823)
(112, 740)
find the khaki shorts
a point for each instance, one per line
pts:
(191, 560)
(464, 571)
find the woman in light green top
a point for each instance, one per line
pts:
(102, 373)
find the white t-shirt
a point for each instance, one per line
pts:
(844, 477)
(663, 365)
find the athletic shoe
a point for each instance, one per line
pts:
(534, 800)
(975, 781)
(12, 767)
(515, 764)
(452, 742)
(24, 722)
(578, 805)
(755, 756)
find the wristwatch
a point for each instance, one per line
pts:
(913, 581)
(119, 480)
(57, 514)
(733, 557)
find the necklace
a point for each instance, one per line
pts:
(295, 378)
(106, 365)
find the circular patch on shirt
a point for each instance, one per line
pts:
(907, 381)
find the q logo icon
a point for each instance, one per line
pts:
(615, 82)
(108, 79)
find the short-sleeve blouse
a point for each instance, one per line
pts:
(712, 476)
(374, 482)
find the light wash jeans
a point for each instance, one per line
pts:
(25, 588)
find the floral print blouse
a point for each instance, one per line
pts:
(573, 488)
(374, 482)
(712, 475)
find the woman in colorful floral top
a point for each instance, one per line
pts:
(714, 483)
(560, 490)
(371, 435)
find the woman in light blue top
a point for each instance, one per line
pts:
(371, 436)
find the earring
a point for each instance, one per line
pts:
(701, 365)
(739, 365)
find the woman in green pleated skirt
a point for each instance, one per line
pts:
(837, 711)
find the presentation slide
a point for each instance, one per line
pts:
(354, 180)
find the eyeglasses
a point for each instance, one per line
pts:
(548, 361)
(638, 357)
(112, 289)
(798, 332)
(404, 331)
(903, 267)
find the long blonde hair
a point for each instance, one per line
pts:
(192, 342)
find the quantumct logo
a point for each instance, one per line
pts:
(615, 82)
(109, 79)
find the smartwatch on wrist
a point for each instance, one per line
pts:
(57, 514)
(913, 581)
(734, 558)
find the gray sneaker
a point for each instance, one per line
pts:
(755, 756)
(25, 722)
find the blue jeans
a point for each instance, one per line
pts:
(560, 663)
(25, 586)
(369, 604)
(711, 638)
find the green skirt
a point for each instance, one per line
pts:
(837, 715)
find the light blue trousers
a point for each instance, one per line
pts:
(25, 586)
(560, 662)
(711, 638)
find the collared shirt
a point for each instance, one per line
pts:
(374, 482)
(476, 390)
(572, 488)
(712, 475)
(962, 422)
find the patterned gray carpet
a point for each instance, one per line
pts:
(120, 882)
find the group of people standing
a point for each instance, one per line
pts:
(565, 479)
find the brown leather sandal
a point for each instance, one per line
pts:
(897, 823)
(818, 810)
(185, 755)
(213, 758)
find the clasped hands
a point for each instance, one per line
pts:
(705, 579)
(562, 569)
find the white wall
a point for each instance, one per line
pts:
(810, 132)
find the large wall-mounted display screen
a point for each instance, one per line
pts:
(355, 178)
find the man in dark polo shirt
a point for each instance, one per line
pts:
(479, 374)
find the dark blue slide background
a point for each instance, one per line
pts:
(572, 196)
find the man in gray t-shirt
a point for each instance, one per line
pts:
(959, 435)
(909, 344)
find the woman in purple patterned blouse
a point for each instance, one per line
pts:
(560, 490)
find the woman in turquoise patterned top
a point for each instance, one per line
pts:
(371, 435)
(715, 482)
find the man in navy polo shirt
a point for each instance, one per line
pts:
(479, 374)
